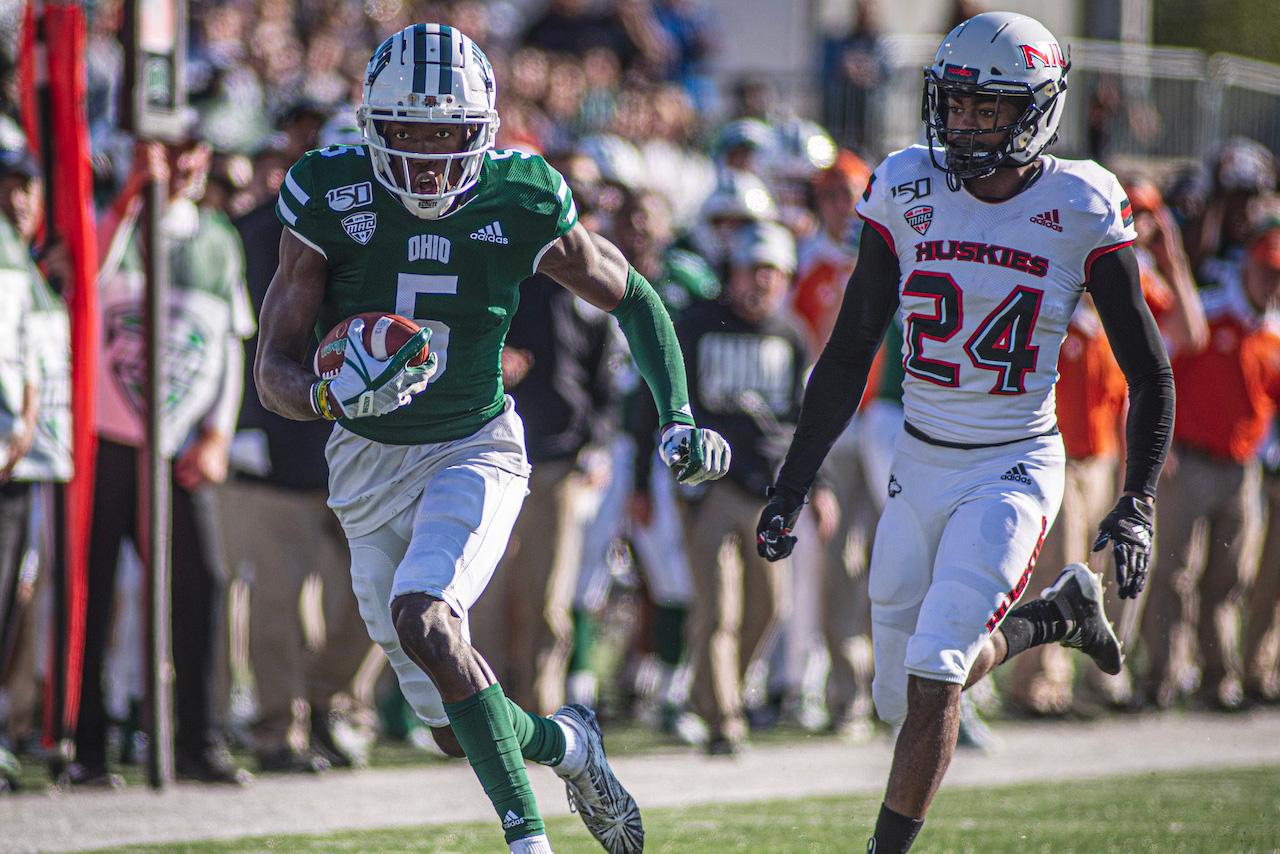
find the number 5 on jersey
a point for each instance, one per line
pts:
(410, 286)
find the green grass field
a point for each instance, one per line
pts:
(1216, 812)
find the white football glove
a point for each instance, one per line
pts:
(367, 387)
(695, 454)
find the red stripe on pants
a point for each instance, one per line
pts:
(1012, 596)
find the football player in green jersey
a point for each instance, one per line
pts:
(427, 465)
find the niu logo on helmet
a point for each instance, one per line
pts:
(1048, 54)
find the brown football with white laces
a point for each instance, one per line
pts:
(384, 335)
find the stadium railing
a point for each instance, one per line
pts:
(1173, 103)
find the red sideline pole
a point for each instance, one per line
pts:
(75, 220)
(64, 128)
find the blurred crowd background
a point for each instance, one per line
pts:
(735, 198)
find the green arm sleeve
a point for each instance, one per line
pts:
(655, 349)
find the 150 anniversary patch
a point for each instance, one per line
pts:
(351, 196)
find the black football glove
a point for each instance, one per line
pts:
(1128, 527)
(773, 533)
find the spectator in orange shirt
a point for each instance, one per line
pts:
(1261, 638)
(825, 261)
(1167, 281)
(1227, 398)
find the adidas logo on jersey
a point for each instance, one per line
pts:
(491, 233)
(1018, 473)
(511, 820)
(1049, 219)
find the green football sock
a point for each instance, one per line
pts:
(541, 739)
(668, 633)
(483, 726)
(584, 636)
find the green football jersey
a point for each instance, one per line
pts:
(459, 275)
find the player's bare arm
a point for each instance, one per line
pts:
(834, 389)
(285, 330)
(1135, 340)
(589, 266)
(363, 387)
(595, 270)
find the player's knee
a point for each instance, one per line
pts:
(930, 697)
(448, 742)
(426, 627)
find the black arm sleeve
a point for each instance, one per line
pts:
(1117, 292)
(840, 375)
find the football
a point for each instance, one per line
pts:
(384, 334)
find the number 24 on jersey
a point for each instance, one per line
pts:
(1000, 344)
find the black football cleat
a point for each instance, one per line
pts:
(323, 743)
(286, 760)
(213, 765)
(1078, 593)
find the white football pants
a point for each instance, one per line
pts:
(954, 549)
(446, 540)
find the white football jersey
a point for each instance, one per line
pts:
(987, 289)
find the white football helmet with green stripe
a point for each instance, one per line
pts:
(429, 74)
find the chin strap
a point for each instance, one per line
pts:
(1027, 181)
(455, 204)
(420, 207)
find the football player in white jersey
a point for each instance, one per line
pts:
(984, 244)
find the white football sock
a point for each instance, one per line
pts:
(532, 845)
(575, 751)
(666, 676)
(581, 687)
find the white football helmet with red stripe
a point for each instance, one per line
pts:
(429, 74)
(996, 55)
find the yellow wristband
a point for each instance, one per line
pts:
(320, 400)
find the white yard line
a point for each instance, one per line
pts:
(446, 794)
